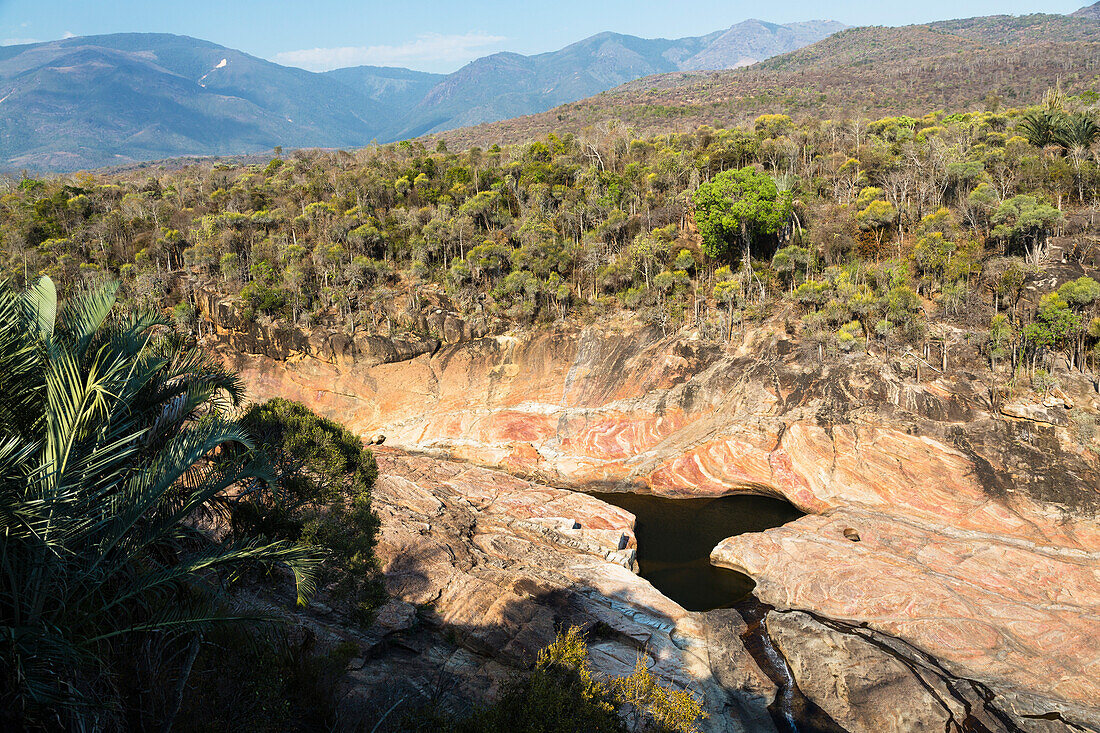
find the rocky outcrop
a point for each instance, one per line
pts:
(1036, 412)
(491, 566)
(276, 339)
(977, 538)
(870, 684)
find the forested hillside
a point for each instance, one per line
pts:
(866, 234)
(957, 66)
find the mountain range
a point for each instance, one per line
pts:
(997, 61)
(113, 99)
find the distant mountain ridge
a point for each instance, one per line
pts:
(117, 99)
(858, 73)
(398, 88)
(105, 100)
(102, 100)
(509, 85)
(1091, 11)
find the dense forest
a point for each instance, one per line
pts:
(865, 234)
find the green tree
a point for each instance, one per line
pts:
(320, 494)
(1055, 325)
(877, 217)
(790, 261)
(932, 255)
(736, 207)
(109, 443)
(1077, 131)
(999, 345)
(1040, 127)
(1024, 219)
(1080, 293)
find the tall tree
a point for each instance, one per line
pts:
(736, 207)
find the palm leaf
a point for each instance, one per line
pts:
(108, 436)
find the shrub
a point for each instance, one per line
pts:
(563, 695)
(320, 495)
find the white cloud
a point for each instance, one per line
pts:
(430, 51)
(24, 41)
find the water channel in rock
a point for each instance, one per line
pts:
(675, 537)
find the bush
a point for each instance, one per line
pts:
(562, 695)
(320, 494)
(260, 682)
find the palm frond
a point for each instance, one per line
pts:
(113, 440)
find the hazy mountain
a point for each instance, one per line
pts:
(867, 72)
(108, 99)
(102, 100)
(399, 89)
(509, 85)
(754, 40)
(1091, 11)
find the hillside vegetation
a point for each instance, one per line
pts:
(956, 66)
(870, 234)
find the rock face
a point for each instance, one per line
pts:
(978, 540)
(863, 687)
(491, 566)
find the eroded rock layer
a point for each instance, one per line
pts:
(966, 534)
(496, 565)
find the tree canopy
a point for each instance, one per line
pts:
(738, 206)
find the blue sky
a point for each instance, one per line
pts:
(442, 36)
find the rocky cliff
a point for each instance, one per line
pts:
(947, 573)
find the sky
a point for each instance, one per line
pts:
(442, 36)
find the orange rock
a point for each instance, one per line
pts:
(977, 543)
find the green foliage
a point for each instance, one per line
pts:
(1039, 127)
(319, 493)
(261, 682)
(932, 254)
(263, 298)
(850, 336)
(791, 261)
(684, 261)
(532, 233)
(563, 695)
(813, 293)
(1080, 293)
(1043, 381)
(738, 206)
(1024, 217)
(109, 435)
(1045, 127)
(184, 315)
(1000, 338)
(1055, 324)
(1077, 132)
(877, 215)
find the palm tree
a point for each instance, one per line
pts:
(1077, 131)
(114, 440)
(1040, 127)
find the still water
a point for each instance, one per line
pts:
(675, 537)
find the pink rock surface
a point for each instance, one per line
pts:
(978, 537)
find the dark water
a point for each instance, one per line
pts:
(675, 537)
